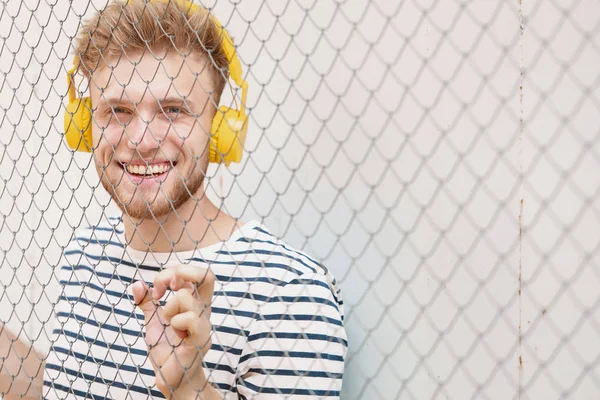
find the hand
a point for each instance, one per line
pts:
(178, 335)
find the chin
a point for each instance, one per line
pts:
(150, 199)
(138, 209)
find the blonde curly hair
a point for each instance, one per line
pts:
(151, 25)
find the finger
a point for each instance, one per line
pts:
(206, 290)
(142, 296)
(162, 281)
(201, 277)
(181, 302)
(169, 279)
(177, 282)
(199, 328)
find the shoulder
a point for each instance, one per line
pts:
(303, 272)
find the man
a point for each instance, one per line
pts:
(174, 298)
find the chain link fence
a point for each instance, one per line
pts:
(441, 158)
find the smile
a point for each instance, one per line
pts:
(155, 169)
(140, 172)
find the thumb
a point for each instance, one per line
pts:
(153, 315)
(142, 296)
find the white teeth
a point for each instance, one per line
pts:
(147, 170)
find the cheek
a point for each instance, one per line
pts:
(106, 143)
(190, 138)
(104, 133)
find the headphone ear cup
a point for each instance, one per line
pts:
(228, 135)
(78, 124)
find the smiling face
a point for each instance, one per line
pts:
(151, 130)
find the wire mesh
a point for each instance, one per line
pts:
(440, 158)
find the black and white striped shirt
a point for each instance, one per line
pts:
(277, 318)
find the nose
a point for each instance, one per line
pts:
(142, 135)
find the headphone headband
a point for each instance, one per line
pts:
(235, 67)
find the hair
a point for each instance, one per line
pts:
(152, 25)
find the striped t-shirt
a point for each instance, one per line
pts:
(277, 318)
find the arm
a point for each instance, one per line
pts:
(178, 334)
(21, 368)
(297, 345)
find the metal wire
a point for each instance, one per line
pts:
(441, 158)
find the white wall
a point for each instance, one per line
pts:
(394, 141)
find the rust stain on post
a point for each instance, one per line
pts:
(520, 143)
(520, 294)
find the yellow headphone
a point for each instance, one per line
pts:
(229, 126)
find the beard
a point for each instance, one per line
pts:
(141, 203)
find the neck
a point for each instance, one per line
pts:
(205, 224)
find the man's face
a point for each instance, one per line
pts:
(151, 129)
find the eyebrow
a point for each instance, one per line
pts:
(167, 100)
(177, 100)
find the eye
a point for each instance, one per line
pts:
(118, 110)
(172, 110)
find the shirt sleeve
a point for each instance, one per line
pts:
(297, 344)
